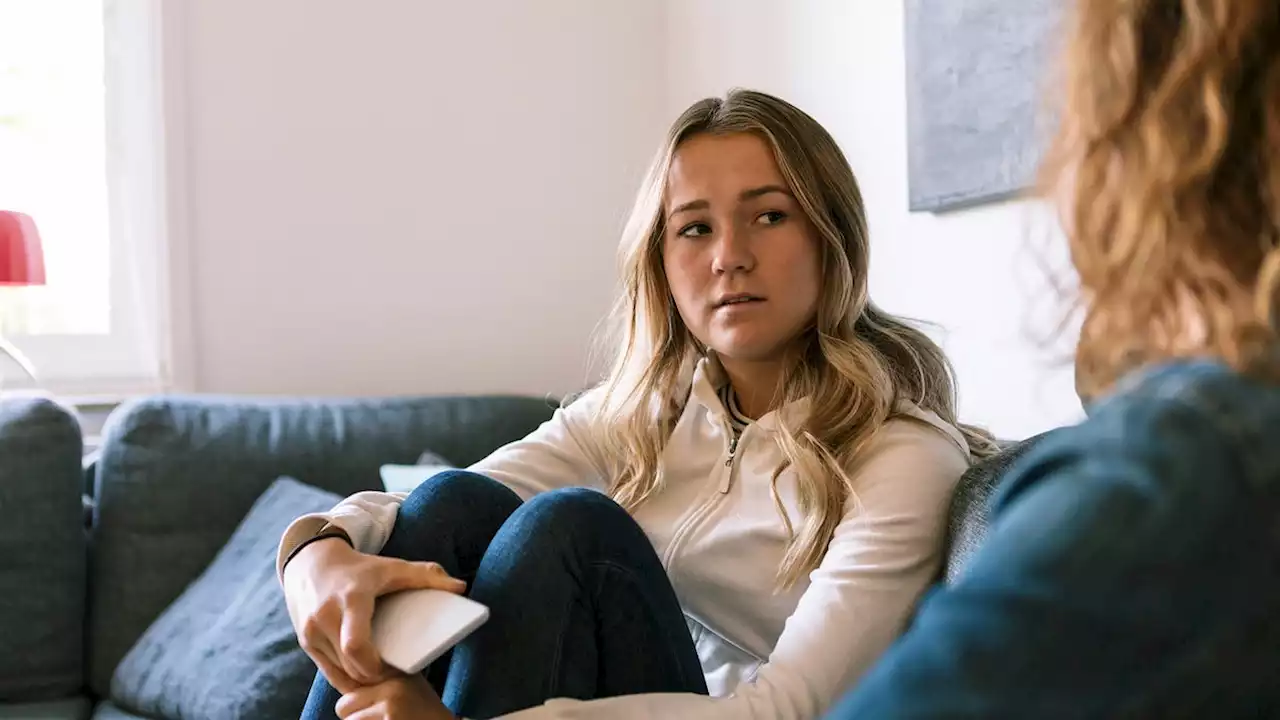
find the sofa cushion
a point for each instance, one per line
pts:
(76, 708)
(970, 505)
(177, 474)
(226, 648)
(108, 711)
(405, 478)
(42, 552)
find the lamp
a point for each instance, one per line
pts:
(21, 263)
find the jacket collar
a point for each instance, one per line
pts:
(709, 377)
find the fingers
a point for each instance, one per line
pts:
(333, 671)
(333, 620)
(318, 638)
(399, 575)
(358, 655)
(396, 699)
(355, 706)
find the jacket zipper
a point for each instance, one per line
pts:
(726, 479)
(733, 448)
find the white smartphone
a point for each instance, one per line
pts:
(414, 627)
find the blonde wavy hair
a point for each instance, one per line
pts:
(853, 364)
(1166, 169)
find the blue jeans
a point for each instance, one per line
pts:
(1132, 570)
(579, 604)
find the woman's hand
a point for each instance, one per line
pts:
(330, 589)
(400, 698)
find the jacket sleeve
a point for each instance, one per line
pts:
(560, 453)
(886, 551)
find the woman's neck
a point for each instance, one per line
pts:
(755, 384)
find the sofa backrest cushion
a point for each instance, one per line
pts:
(970, 505)
(42, 552)
(176, 475)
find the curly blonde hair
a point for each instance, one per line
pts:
(854, 364)
(1166, 166)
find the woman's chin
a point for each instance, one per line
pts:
(747, 350)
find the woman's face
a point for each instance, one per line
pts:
(741, 257)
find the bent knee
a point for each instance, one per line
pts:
(570, 507)
(452, 495)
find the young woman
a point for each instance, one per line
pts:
(734, 524)
(1133, 568)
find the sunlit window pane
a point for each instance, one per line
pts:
(52, 161)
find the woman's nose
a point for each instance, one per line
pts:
(732, 252)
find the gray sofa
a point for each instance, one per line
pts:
(174, 478)
(95, 560)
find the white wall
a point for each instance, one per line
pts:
(974, 273)
(403, 196)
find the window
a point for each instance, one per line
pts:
(81, 152)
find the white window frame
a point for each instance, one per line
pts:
(136, 357)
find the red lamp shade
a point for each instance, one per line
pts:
(21, 259)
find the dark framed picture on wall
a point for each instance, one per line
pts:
(976, 101)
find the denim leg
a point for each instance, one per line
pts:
(451, 518)
(580, 607)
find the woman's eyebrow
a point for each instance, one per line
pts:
(751, 194)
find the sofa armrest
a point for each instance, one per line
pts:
(42, 552)
(175, 475)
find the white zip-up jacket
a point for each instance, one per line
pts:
(765, 653)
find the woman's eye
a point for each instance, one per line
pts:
(694, 230)
(773, 217)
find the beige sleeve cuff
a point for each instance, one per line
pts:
(300, 532)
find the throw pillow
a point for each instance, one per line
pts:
(225, 649)
(404, 478)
